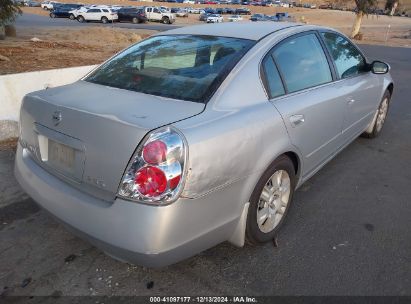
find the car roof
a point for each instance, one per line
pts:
(249, 30)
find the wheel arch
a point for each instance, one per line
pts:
(390, 88)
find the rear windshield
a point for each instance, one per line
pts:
(185, 67)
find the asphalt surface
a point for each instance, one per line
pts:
(32, 20)
(347, 233)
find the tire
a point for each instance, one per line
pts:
(135, 20)
(265, 229)
(71, 17)
(104, 20)
(81, 19)
(165, 20)
(376, 125)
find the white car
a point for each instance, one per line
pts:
(235, 18)
(159, 14)
(182, 13)
(98, 14)
(194, 11)
(214, 18)
(189, 1)
(47, 5)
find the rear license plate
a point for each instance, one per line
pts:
(61, 156)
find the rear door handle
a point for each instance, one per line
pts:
(297, 120)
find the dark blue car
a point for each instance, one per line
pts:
(62, 11)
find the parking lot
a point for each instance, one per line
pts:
(348, 232)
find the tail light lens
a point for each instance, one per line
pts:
(156, 172)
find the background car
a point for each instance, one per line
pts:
(48, 5)
(104, 15)
(235, 18)
(259, 17)
(64, 10)
(204, 16)
(131, 14)
(32, 4)
(182, 13)
(214, 18)
(242, 11)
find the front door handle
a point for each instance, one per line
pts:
(297, 120)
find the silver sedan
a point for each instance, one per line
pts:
(197, 136)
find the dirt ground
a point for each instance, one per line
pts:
(64, 47)
(68, 47)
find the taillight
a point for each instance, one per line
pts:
(156, 173)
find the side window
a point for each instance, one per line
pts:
(302, 63)
(93, 10)
(348, 60)
(105, 10)
(273, 81)
(156, 10)
(149, 10)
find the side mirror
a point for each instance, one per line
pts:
(379, 67)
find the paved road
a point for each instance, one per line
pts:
(32, 20)
(348, 232)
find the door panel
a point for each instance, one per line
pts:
(360, 85)
(314, 120)
(312, 112)
(362, 101)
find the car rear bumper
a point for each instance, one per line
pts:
(141, 234)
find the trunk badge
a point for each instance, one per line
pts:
(57, 117)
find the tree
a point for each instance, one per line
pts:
(9, 10)
(392, 5)
(363, 7)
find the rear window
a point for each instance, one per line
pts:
(185, 67)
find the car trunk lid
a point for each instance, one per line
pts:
(86, 133)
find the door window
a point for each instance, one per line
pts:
(272, 77)
(348, 60)
(93, 10)
(302, 63)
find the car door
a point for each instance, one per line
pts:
(92, 14)
(156, 15)
(123, 14)
(359, 86)
(299, 80)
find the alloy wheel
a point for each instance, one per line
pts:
(273, 201)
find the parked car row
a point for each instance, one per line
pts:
(113, 13)
(276, 17)
(236, 2)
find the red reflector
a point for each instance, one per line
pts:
(174, 182)
(155, 152)
(151, 181)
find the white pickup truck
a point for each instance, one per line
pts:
(157, 14)
(48, 5)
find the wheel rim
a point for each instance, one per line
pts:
(382, 114)
(273, 201)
